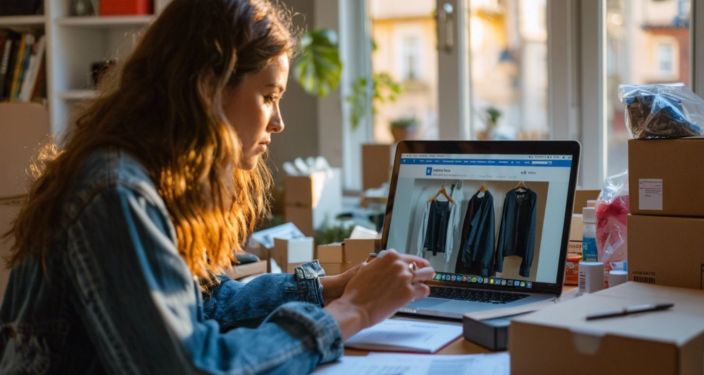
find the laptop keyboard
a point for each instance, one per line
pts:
(475, 295)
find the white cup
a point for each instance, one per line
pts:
(617, 277)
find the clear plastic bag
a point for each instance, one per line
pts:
(612, 222)
(662, 110)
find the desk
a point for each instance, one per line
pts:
(459, 346)
(462, 346)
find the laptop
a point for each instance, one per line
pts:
(492, 218)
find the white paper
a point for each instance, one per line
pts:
(650, 194)
(416, 364)
(405, 335)
(284, 231)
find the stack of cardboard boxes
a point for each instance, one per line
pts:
(665, 247)
(666, 225)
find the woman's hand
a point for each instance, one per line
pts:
(333, 286)
(377, 289)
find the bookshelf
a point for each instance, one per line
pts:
(72, 45)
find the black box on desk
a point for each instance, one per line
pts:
(490, 333)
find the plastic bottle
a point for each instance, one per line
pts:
(589, 251)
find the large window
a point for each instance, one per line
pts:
(508, 67)
(647, 41)
(404, 54)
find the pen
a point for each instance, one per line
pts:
(630, 310)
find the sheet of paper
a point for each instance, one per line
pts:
(418, 364)
(405, 335)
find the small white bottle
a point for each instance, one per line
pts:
(589, 251)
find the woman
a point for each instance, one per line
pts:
(117, 249)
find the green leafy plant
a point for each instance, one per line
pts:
(404, 123)
(492, 116)
(384, 89)
(331, 234)
(318, 68)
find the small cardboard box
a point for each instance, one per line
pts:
(330, 253)
(244, 270)
(314, 190)
(357, 250)
(376, 164)
(292, 252)
(666, 177)
(559, 340)
(310, 201)
(666, 250)
(581, 197)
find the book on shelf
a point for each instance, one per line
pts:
(21, 62)
(32, 72)
(11, 45)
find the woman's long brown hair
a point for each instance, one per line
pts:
(164, 107)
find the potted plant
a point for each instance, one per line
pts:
(403, 128)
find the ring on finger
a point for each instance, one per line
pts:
(413, 267)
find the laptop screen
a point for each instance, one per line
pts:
(483, 219)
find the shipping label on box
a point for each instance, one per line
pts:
(666, 250)
(666, 177)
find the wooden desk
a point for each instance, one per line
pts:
(459, 346)
(462, 346)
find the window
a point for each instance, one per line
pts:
(508, 67)
(665, 58)
(403, 35)
(647, 42)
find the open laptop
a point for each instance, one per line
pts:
(492, 218)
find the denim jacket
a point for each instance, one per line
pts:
(115, 296)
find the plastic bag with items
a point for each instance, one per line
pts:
(662, 110)
(612, 222)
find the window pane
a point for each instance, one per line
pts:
(508, 65)
(647, 41)
(403, 33)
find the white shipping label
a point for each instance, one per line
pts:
(650, 194)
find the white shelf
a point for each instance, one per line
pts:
(103, 22)
(7, 21)
(76, 95)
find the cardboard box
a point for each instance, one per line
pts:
(314, 190)
(357, 250)
(302, 217)
(310, 201)
(244, 270)
(377, 161)
(292, 252)
(581, 197)
(559, 340)
(330, 253)
(666, 250)
(666, 177)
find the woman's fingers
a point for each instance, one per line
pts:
(424, 274)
